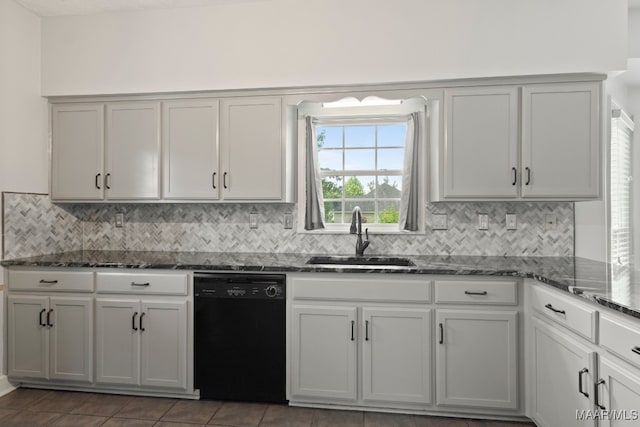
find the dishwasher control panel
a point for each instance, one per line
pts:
(248, 287)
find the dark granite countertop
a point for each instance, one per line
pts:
(585, 278)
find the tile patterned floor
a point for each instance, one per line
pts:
(30, 407)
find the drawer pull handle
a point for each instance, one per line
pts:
(213, 180)
(366, 330)
(475, 293)
(580, 372)
(49, 324)
(555, 310)
(598, 405)
(515, 176)
(98, 175)
(353, 325)
(441, 334)
(133, 321)
(140, 284)
(636, 350)
(224, 180)
(528, 170)
(40, 321)
(48, 282)
(140, 323)
(107, 181)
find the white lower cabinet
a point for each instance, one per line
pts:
(563, 378)
(50, 337)
(141, 342)
(477, 358)
(617, 395)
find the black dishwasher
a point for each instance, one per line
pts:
(240, 336)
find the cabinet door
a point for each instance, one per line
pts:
(324, 352)
(117, 341)
(251, 140)
(558, 365)
(133, 151)
(163, 332)
(619, 393)
(28, 336)
(77, 152)
(561, 140)
(481, 144)
(190, 149)
(396, 355)
(71, 339)
(476, 358)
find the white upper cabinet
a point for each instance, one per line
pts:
(190, 149)
(252, 148)
(77, 152)
(481, 142)
(561, 140)
(133, 151)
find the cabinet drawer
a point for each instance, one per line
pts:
(147, 283)
(51, 280)
(620, 338)
(476, 292)
(580, 318)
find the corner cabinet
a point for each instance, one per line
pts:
(527, 142)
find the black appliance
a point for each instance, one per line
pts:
(240, 336)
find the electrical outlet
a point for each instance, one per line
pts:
(483, 221)
(511, 221)
(253, 220)
(439, 221)
(119, 220)
(288, 221)
(550, 221)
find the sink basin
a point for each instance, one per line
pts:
(360, 262)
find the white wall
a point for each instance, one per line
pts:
(634, 33)
(280, 43)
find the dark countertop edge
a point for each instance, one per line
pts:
(577, 291)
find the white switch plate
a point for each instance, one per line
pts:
(550, 221)
(253, 220)
(483, 221)
(511, 221)
(119, 220)
(288, 220)
(439, 221)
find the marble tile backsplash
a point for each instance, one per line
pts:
(34, 226)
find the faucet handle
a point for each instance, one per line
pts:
(366, 234)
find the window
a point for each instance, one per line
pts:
(361, 164)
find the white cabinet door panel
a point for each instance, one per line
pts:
(28, 336)
(190, 149)
(619, 394)
(396, 355)
(71, 339)
(77, 152)
(324, 352)
(133, 151)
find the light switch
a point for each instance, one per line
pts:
(439, 221)
(483, 221)
(253, 220)
(119, 220)
(511, 221)
(288, 220)
(550, 221)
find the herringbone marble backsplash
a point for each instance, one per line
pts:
(34, 226)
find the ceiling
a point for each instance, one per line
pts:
(89, 7)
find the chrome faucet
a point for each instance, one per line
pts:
(356, 228)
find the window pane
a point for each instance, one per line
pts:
(359, 136)
(359, 159)
(330, 159)
(389, 187)
(389, 212)
(333, 212)
(329, 136)
(359, 186)
(390, 158)
(332, 187)
(367, 208)
(392, 135)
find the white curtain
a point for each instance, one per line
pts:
(314, 207)
(409, 206)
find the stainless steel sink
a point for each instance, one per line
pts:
(360, 262)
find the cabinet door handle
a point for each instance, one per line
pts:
(224, 180)
(40, 321)
(515, 176)
(133, 321)
(49, 324)
(213, 180)
(636, 350)
(580, 373)
(475, 293)
(140, 323)
(441, 333)
(353, 326)
(528, 175)
(597, 394)
(366, 330)
(107, 181)
(98, 175)
(140, 284)
(48, 282)
(555, 310)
